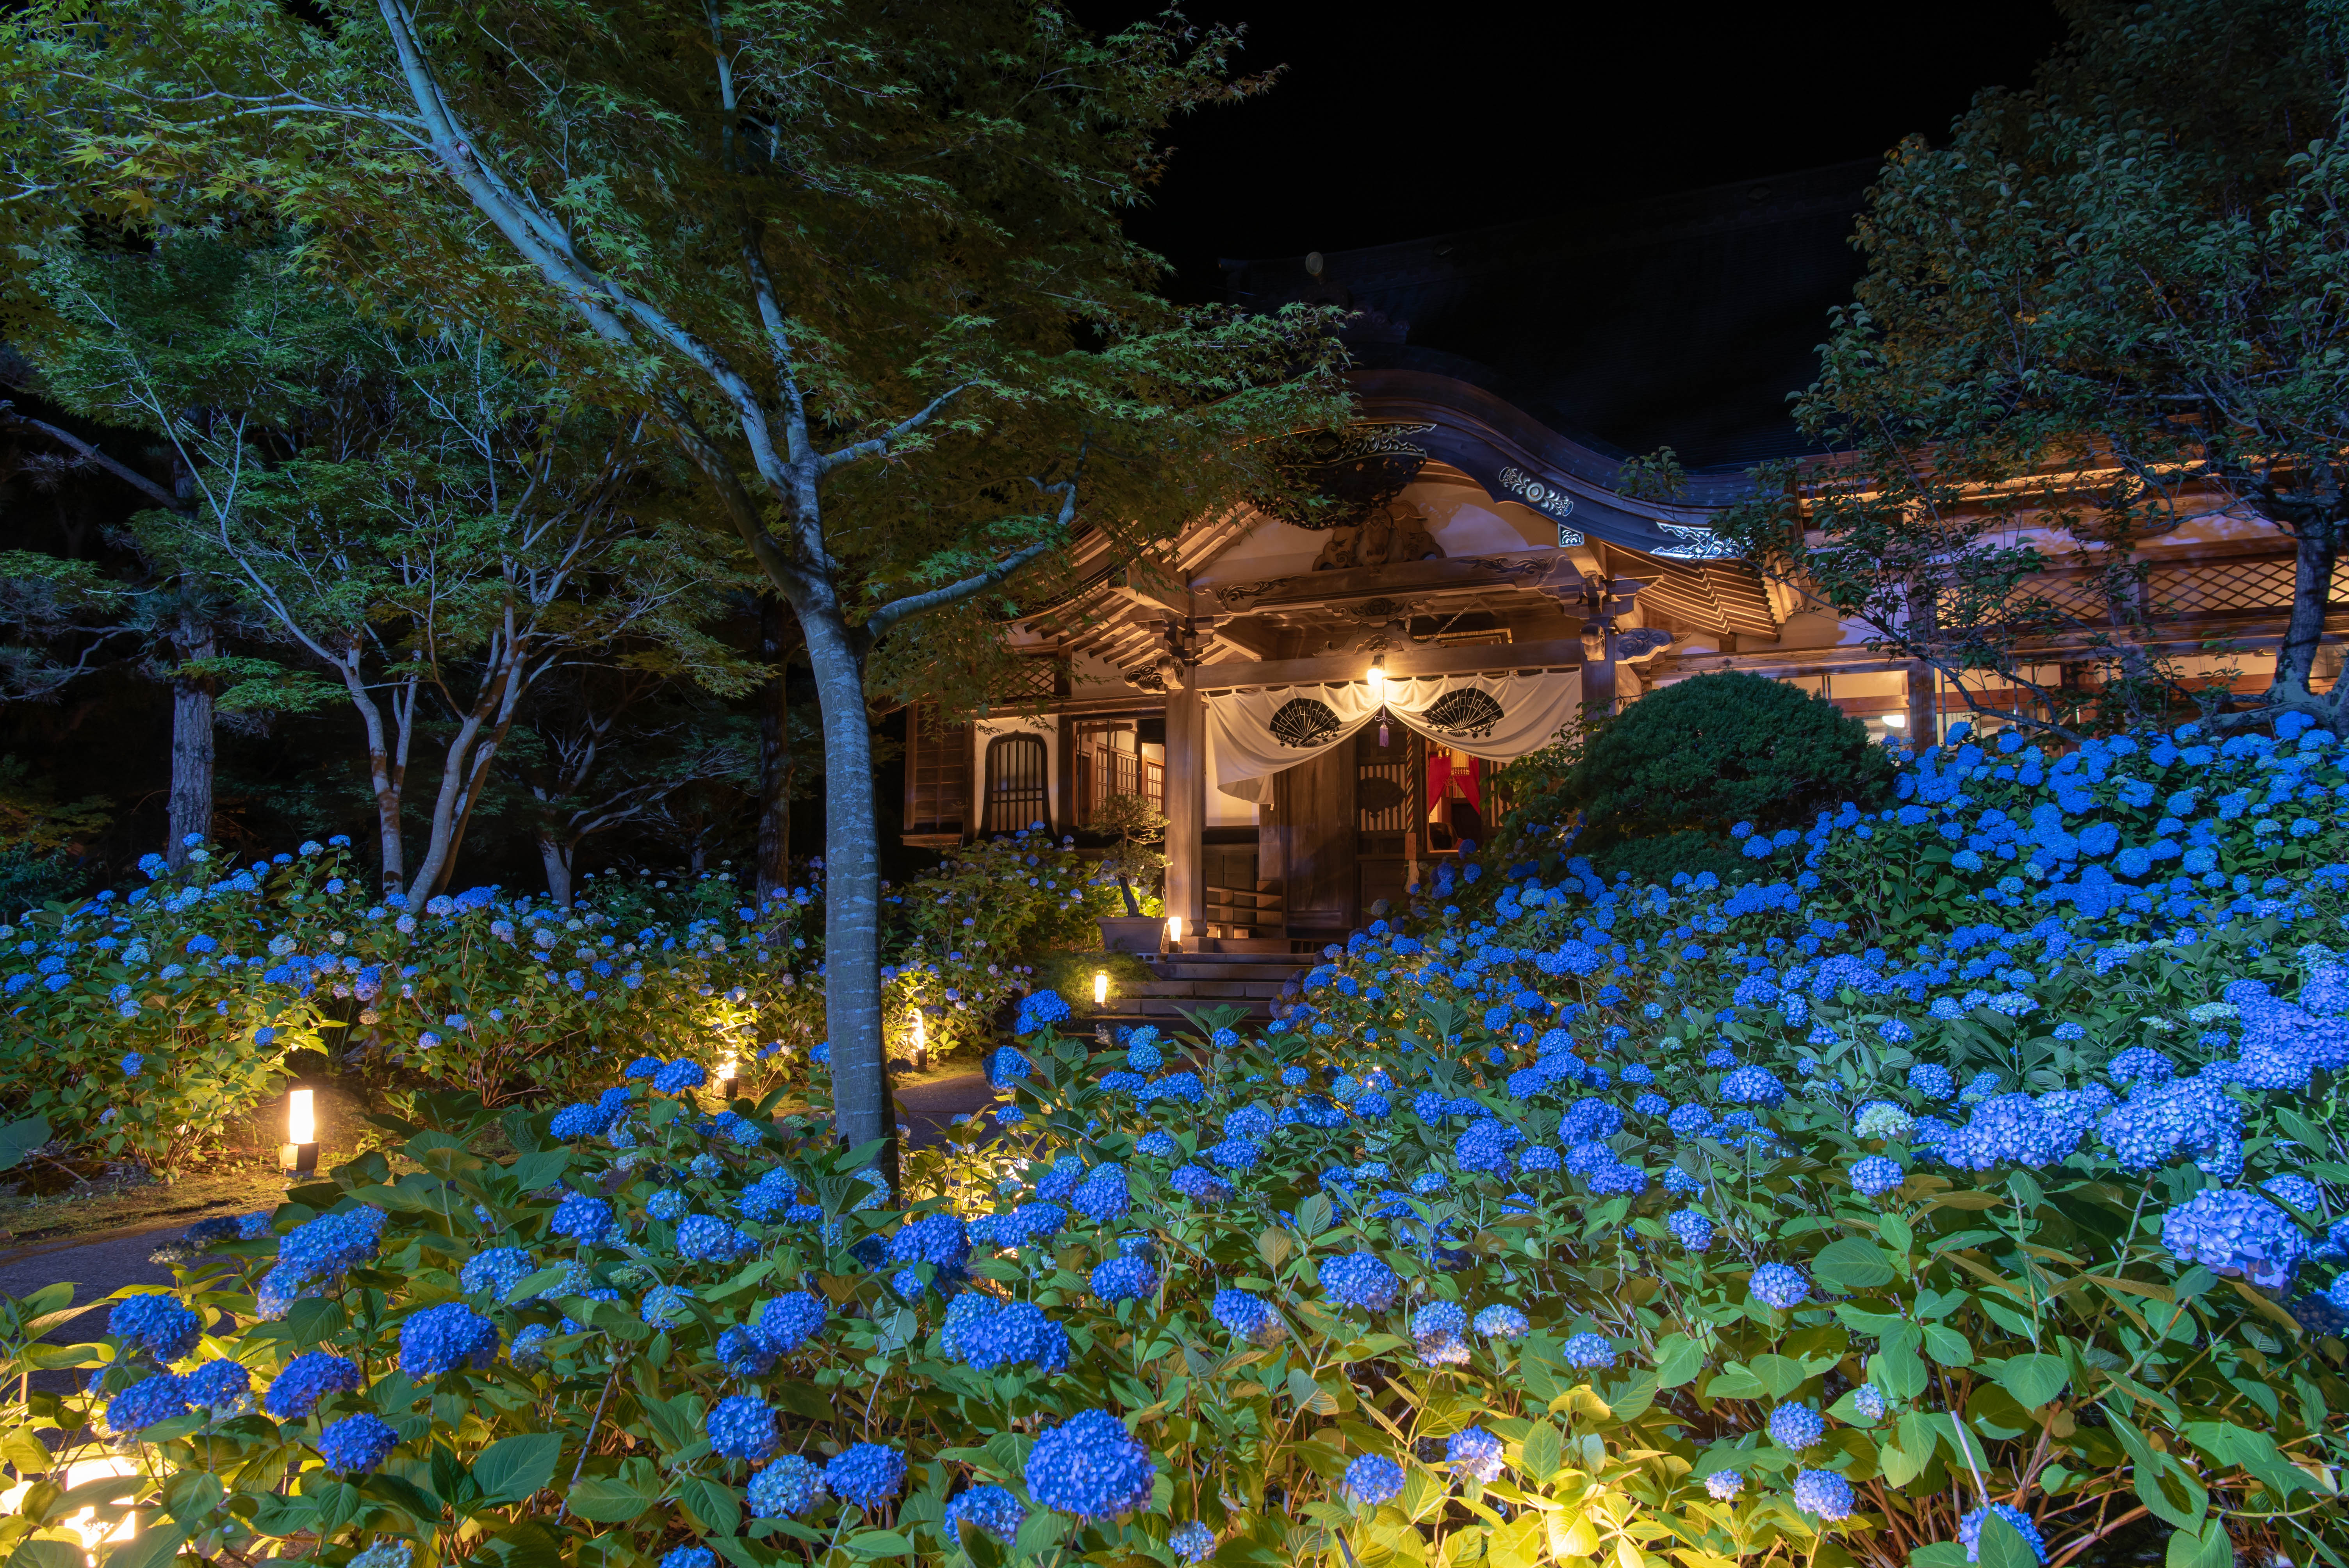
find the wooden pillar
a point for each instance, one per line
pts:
(1598, 669)
(1187, 805)
(1064, 778)
(1924, 713)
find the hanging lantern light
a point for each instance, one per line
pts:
(300, 1151)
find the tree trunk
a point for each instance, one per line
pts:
(861, 1111)
(775, 770)
(2318, 546)
(556, 859)
(191, 808)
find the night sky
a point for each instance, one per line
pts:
(1395, 121)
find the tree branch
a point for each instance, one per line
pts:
(858, 451)
(915, 604)
(89, 453)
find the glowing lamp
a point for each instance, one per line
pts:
(1175, 928)
(1378, 677)
(1100, 986)
(93, 1530)
(921, 1041)
(729, 1068)
(1895, 721)
(299, 1153)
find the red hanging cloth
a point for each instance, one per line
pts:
(1439, 775)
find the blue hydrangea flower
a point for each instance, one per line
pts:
(1011, 1336)
(498, 1271)
(1193, 1542)
(706, 1238)
(146, 1402)
(1932, 1080)
(1874, 1175)
(677, 1076)
(1373, 1479)
(1157, 1145)
(865, 1475)
(1797, 1426)
(1473, 1452)
(1124, 1278)
(664, 1305)
(1723, 1486)
(1359, 1279)
(1090, 1467)
(1103, 1196)
(307, 1379)
(1037, 1010)
(1781, 1286)
(1868, 1402)
(1199, 1184)
(990, 1510)
(1248, 1317)
(787, 1322)
(789, 1487)
(1501, 1321)
(1438, 1320)
(668, 1203)
(528, 1350)
(742, 1428)
(1969, 1529)
(584, 1220)
(1691, 1229)
(679, 1557)
(219, 1385)
(356, 1444)
(439, 1339)
(158, 1323)
(1823, 1492)
(2236, 1234)
(1589, 1352)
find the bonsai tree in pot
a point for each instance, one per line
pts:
(1139, 828)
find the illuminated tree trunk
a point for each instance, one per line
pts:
(192, 744)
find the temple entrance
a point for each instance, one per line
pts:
(1358, 822)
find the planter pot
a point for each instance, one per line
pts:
(1127, 933)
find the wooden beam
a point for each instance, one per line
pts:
(1424, 659)
(1532, 569)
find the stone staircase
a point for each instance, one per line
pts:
(1252, 978)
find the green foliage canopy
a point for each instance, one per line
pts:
(1701, 755)
(2111, 305)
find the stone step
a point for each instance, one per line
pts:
(1263, 990)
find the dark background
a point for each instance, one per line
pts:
(1394, 121)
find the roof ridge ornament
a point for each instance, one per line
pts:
(1704, 545)
(1544, 497)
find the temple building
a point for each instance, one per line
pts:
(1319, 710)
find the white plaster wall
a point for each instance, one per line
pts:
(985, 730)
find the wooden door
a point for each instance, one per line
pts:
(1313, 832)
(1390, 799)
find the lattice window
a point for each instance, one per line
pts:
(938, 773)
(1109, 761)
(2220, 588)
(1018, 792)
(1030, 678)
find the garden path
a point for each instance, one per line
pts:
(101, 1266)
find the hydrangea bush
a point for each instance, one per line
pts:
(140, 1025)
(1655, 1226)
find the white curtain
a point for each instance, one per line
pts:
(1253, 735)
